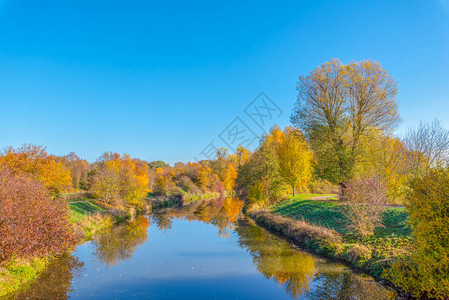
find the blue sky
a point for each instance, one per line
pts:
(162, 79)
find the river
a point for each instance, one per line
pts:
(203, 251)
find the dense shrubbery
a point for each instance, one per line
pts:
(31, 223)
(426, 271)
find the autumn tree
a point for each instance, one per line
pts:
(258, 179)
(337, 105)
(120, 180)
(241, 156)
(224, 167)
(388, 159)
(79, 169)
(158, 164)
(35, 162)
(294, 158)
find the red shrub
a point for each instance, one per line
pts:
(31, 223)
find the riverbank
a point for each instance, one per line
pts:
(320, 226)
(88, 219)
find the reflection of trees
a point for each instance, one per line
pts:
(55, 281)
(294, 270)
(120, 243)
(225, 216)
(338, 282)
(222, 213)
(275, 259)
(162, 221)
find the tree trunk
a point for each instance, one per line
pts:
(294, 194)
(343, 188)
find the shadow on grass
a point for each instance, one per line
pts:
(84, 208)
(330, 215)
(326, 214)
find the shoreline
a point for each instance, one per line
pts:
(324, 242)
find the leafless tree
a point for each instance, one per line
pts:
(428, 145)
(366, 201)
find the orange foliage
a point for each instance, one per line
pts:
(121, 180)
(34, 161)
(31, 223)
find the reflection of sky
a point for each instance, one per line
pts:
(190, 260)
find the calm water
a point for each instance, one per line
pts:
(204, 251)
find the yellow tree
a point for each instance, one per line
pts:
(204, 174)
(241, 156)
(121, 180)
(337, 105)
(294, 158)
(229, 177)
(34, 161)
(386, 158)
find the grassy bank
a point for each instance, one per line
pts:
(321, 226)
(89, 218)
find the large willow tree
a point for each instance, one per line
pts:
(338, 106)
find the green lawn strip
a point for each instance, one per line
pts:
(388, 241)
(321, 213)
(80, 210)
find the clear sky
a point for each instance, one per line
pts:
(162, 79)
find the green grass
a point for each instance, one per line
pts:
(89, 218)
(321, 213)
(388, 241)
(17, 273)
(330, 214)
(81, 210)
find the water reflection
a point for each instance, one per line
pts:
(191, 261)
(221, 213)
(55, 282)
(276, 260)
(302, 274)
(120, 243)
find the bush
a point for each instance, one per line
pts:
(426, 272)
(188, 185)
(31, 223)
(366, 198)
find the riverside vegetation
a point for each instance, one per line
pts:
(389, 215)
(48, 204)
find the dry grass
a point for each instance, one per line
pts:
(90, 225)
(320, 239)
(299, 231)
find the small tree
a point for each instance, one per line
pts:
(366, 198)
(120, 180)
(294, 157)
